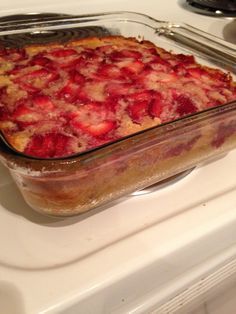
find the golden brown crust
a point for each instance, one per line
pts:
(92, 42)
(95, 42)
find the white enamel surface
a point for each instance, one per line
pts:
(128, 256)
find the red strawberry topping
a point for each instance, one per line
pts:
(41, 60)
(109, 71)
(196, 72)
(100, 129)
(118, 89)
(127, 53)
(43, 102)
(155, 107)
(49, 145)
(134, 67)
(76, 77)
(17, 69)
(21, 111)
(68, 99)
(25, 116)
(185, 105)
(138, 110)
(185, 59)
(63, 53)
(141, 96)
(36, 80)
(15, 54)
(69, 92)
(4, 114)
(144, 103)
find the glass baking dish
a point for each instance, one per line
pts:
(73, 185)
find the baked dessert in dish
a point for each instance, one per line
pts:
(59, 100)
(159, 111)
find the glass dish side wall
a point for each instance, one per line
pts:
(132, 164)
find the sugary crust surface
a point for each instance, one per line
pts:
(57, 100)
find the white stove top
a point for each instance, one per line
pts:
(170, 10)
(133, 256)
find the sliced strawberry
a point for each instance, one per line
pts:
(132, 54)
(116, 56)
(111, 105)
(15, 54)
(21, 111)
(63, 53)
(109, 71)
(82, 96)
(166, 77)
(224, 77)
(69, 92)
(196, 72)
(138, 110)
(30, 81)
(69, 63)
(118, 89)
(29, 87)
(134, 67)
(159, 60)
(141, 96)
(3, 91)
(185, 105)
(119, 55)
(128, 53)
(101, 128)
(78, 63)
(157, 66)
(153, 51)
(40, 59)
(73, 91)
(105, 49)
(95, 129)
(214, 76)
(76, 77)
(149, 100)
(49, 145)
(43, 103)
(94, 118)
(89, 54)
(17, 69)
(3, 52)
(150, 77)
(44, 74)
(69, 116)
(180, 70)
(185, 59)
(4, 114)
(155, 107)
(25, 116)
(94, 112)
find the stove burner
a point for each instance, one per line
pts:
(46, 36)
(223, 8)
(163, 183)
